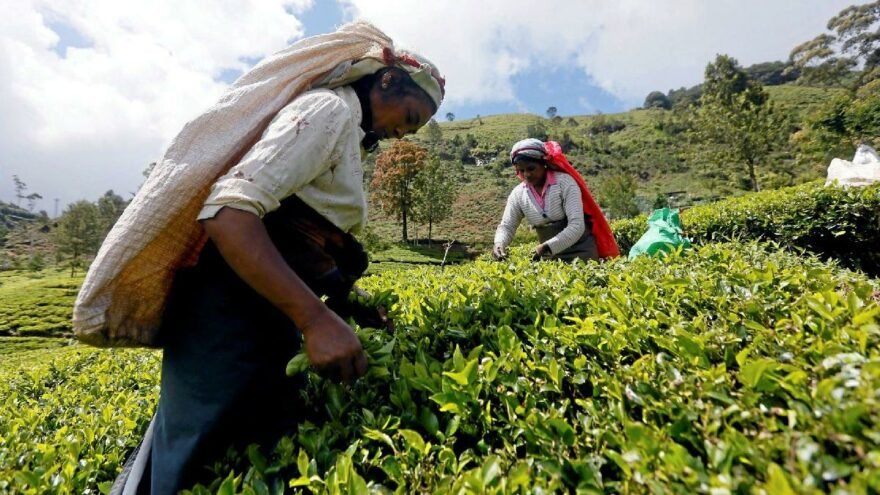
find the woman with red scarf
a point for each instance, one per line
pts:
(555, 201)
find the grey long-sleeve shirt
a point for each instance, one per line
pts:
(561, 201)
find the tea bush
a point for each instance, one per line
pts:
(836, 223)
(16, 345)
(69, 416)
(37, 304)
(729, 368)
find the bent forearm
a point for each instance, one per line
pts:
(242, 239)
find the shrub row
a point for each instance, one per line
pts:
(832, 222)
(69, 416)
(724, 369)
(37, 304)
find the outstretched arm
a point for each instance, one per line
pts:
(332, 346)
(507, 228)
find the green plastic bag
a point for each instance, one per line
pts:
(663, 235)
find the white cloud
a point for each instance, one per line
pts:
(75, 126)
(78, 125)
(629, 48)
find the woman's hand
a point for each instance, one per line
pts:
(333, 348)
(499, 253)
(542, 250)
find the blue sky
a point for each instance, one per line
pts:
(569, 89)
(94, 90)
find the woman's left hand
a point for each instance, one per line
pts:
(542, 250)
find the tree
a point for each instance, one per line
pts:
(78, 233)
(736, 121)
(110, 207)
(435, 134)
(849, 56)
(551, 112)
(772, 73)
(660, 201)
(839, 126)
(537, 130)
(450, 116)
(656, 99)
(724, 80)
(435, 192)
(20, 188)
(32, 199)
(617, 194)
(394, 180)
(685, 97)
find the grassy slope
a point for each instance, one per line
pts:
(37, 304)
(640, 148)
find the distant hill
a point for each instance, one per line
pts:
(11, 216)
(23, 236)
(645, 143)
(641, 142)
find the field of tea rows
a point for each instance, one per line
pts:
(732, 368)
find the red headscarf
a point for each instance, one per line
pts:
(552, 154)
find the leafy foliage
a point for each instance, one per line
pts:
(657, 99)
(736, 119)
(617, 193)
(836, 223)
(17, 345)
(836, 129)
(69, 416)
(394, 180)
(434, 132)
(728, 368)
(36, 304)
(849, 56)
(79, 232)
(435, 192)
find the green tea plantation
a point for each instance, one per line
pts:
(731, 368)
(833, 222)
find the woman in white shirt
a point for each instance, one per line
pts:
(235, 318)
(555, 201)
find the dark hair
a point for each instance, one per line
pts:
(530, 159)
(401, 86)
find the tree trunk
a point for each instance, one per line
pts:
(430, 226)
(753, 177)
(403, 216)
(403, 204)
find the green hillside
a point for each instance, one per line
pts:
(647, 144)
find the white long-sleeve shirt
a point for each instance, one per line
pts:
(562, 200)
(312, 148)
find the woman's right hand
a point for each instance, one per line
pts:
(333, 348)
(499, 253)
